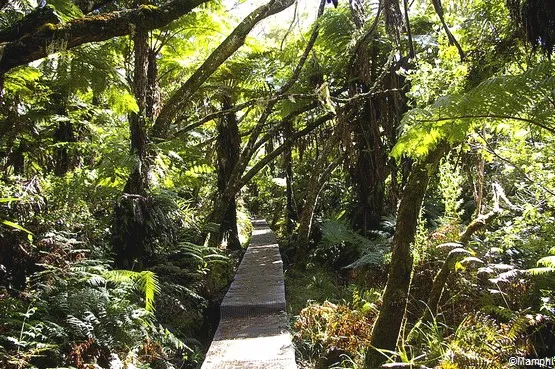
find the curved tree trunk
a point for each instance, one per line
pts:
(388, 324)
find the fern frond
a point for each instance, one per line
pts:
(85, 329)
(546, 265)
(145, 281)
(148, 283)
(525, 98)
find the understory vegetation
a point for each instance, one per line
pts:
(402, 151)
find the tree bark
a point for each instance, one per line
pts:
(388, 324)
(30, 23)
(228, 146)
(51, 38)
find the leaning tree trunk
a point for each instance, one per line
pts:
(388, 324)
(132, 208)
(228, 146)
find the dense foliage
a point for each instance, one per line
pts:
(403, 151)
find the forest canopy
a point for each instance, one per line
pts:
(402, 151)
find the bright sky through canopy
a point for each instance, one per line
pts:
(301, 14)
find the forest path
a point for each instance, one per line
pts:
(253, 330)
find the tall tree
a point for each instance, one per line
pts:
(388, 324)
(132, 208)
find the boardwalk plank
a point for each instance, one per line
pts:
(253, 331)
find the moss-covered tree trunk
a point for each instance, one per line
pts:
(388, 324)
(45, 34)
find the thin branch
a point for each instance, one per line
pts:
(412, 54)
(274, 154)
(366, 95)
(290, 26)
(308, 48)
(452, 40)
(240, 107)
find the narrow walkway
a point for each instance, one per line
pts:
(253, 330)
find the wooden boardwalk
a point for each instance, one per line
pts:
(253, 330)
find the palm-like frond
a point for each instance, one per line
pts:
(526, 98)
(336, 29)
(145, 281)
(546, 265)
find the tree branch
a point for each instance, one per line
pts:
(231, 44)
(52, 38)
(274, 154)
(452, 40)
(30, 23)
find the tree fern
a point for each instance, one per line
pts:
(526, 98)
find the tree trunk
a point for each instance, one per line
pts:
(62, 156)
(228, 146)
(375, 121)
(370, 170)
(318, 178)
(291, 211)
(63, 134)
(132, 208)
(388, 324)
